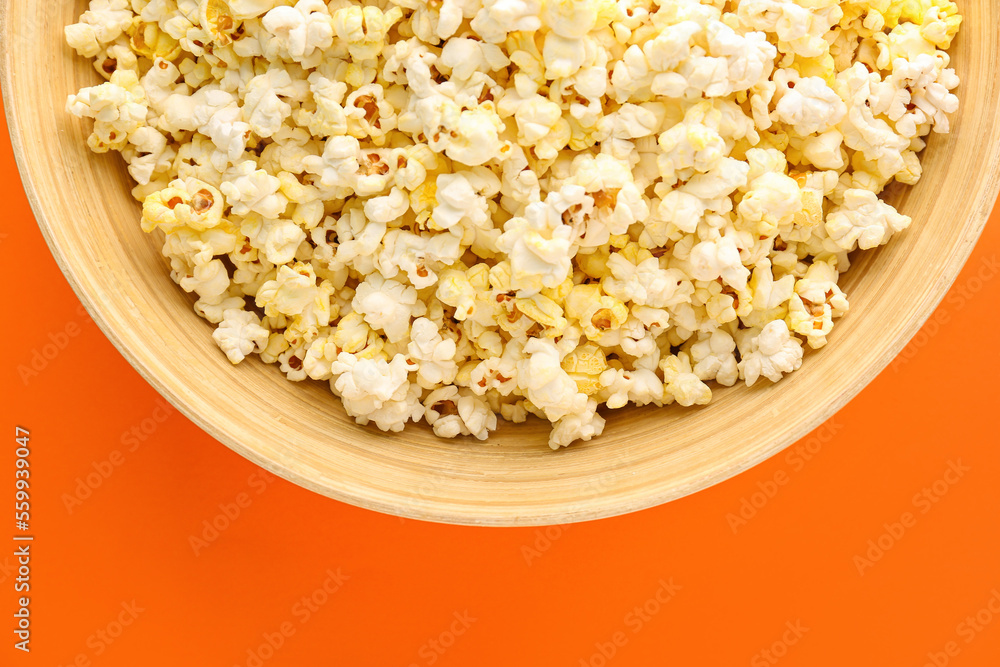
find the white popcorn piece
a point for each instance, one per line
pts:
(213, 308)
(543, 381)
(862, 130)
(248, 188)
(818, 300)
(807, 104)
(434, 354)
(495, 374)
(364, 29)
(713, 358)
(798, 27)
(102, 23)
(640, 386)
(244, 9)
(770, 353)
(584, 425)
(719, 258)
(118, 108)
(290, 293)
(539, 243)
(263, 108)
(148, 153)
(864, 221)
(377, 390)
(497, 18)
(645, 283)
(387, 305)
(300, 32)
(207, 280)
(278, 238)
(239, 334)
(453, 412)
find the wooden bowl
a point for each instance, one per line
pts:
(299, 431)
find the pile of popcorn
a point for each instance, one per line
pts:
(462, 209)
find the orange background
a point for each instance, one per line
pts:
(123, 489)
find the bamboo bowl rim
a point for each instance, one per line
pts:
(514, 482)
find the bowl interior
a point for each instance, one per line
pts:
(299, 430)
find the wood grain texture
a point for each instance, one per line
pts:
(299, 431)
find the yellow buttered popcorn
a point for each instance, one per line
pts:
(466, 210)
(585, 365)
(192, 203)
(364, 29)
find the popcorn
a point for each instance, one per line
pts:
(543, 381)
(713, 358)
(571, 19)
(863, 221)
(770, 353)
(539, 243)
(806, 104)
(263, 108)
(300, 31)
(147, 39)
(644, 283)
(101, 24)
(386, 305)
(207, 280)
(118, 108)
(376, 390)
(279, 239)
(585, 365)
(213, 308)
(497, 18)
(364, 29)
(817, 301)
(799, 28)
(239, 334)
(640, 386)
(719, 258)
(469, 209)
(681, 383)
(291, 292)
(771, 201)
(584, 426)
(418, 255)
(147, 154)
(186, 203)
(452, 412)
(434, 354)
(862, 130)
(246, 9)
(250, 189)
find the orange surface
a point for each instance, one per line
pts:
(871, 542)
